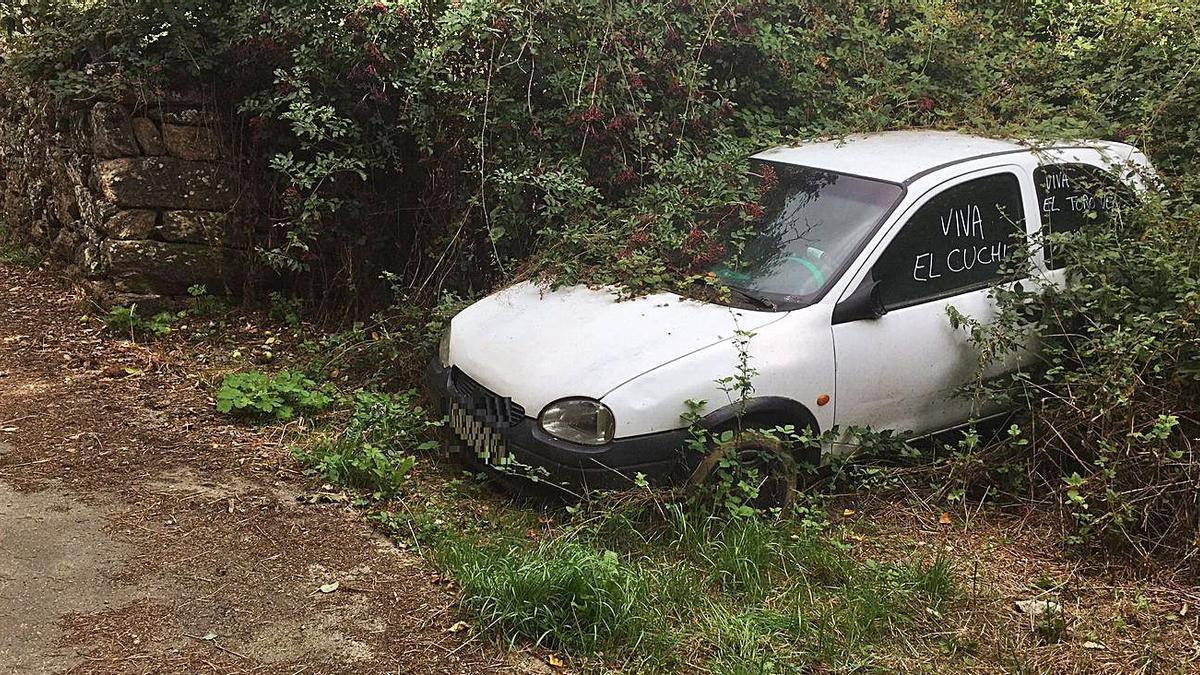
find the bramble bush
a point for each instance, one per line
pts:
(461, 144)
(1113, 423)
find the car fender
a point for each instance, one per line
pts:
(779, 409)
(788, 360)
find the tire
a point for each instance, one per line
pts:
(773, 460)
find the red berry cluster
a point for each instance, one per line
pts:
(768, 181)
(671, 40)
(626, 176)
(701, 250)
(257, 127)
(592, 114)
(263, 50)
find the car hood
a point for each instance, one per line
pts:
(537, 345)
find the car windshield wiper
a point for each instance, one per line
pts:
(754, 298)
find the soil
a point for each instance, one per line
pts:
(142, 532)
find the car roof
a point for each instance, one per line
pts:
(900, 156)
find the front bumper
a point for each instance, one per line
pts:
(534, 457)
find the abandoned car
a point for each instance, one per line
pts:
(863, 245)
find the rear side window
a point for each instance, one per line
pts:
(1071, 195)
(954, 243)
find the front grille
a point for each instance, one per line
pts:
(484, 404)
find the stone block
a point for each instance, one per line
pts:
(190, 116)
(64, 244)
(194, 143)
(166, 182)
(112, 131)
(196, 227)
(170, 268)
(148, 138)
(131, 224)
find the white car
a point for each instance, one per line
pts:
(864, 244)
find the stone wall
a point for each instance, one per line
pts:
(139, 200)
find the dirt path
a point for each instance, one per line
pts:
(139, 532)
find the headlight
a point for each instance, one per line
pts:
(578, 420)
(444, 347)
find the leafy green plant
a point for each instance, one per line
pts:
(202, 304)
(127, 321)
(285, 309)
(281, 397)
(376, 450)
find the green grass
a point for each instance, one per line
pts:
(655, 588)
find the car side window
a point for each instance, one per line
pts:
(1070, 195)
(954, 243)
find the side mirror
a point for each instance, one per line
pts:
(863, 303)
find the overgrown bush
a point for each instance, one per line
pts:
(464, 143)
(1114, 398)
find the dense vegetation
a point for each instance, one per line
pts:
(458, 144)
(452, 146)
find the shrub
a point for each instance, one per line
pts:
(1112, 401)
(464, 143)
(280, 397)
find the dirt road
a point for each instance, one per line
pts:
(140, 532)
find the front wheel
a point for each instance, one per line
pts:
(753, 466)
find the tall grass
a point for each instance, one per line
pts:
(660, 588)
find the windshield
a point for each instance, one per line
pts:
(812, 223)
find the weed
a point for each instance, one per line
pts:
(655, 585)
(559, 593)
(202, 304)
(375, 451)
(281, 397)
(359, 464)
(286, 309)
(12, 252)
(127, 321)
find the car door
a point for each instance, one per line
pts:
(901, 370)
